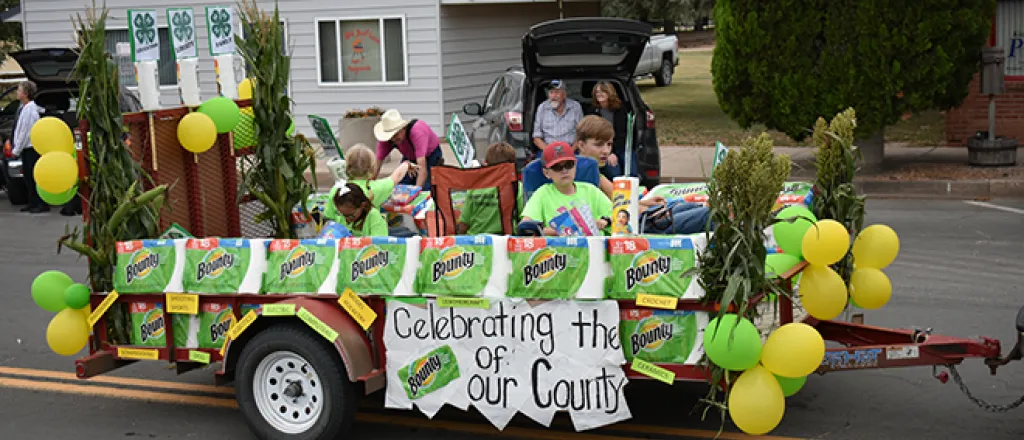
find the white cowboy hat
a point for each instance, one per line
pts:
(390, 123)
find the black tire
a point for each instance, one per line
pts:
(340, 400)
(664, 75)
(17, 193)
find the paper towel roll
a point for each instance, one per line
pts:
(175, 285)
(224, 67)
(253, 281)
(407, 284)
(148, 79)
(598, 270)
(188, 82)
(497, 285)
(625, 206)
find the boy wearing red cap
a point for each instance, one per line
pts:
(564, 192)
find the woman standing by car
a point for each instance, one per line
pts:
(608, 105)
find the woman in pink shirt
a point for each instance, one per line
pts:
(414, 139)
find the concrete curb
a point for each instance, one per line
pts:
(947, 189)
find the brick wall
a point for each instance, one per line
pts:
(964, 121)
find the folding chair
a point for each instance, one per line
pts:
(445, 179)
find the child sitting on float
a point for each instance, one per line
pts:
(360, 166)
(353, 209)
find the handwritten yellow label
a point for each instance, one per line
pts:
(358, 309)
(101, 309)
(182, 303)
(653, 371)
(657, 301)
(146, 354)
(279, 310)
(316, 324)
(467, 303)
(199, 356)
(240, 326)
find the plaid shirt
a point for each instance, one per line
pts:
(551, 126)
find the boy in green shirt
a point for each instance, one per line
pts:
(481, 213)
(565, 192)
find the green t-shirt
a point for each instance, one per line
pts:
(482, 213)
(545, 202)
(373, 226)
(381, 189)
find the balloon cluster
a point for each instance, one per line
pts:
(770, 372)
(56, 172)
(56, 292)
(197, 131)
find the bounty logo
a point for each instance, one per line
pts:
(152, 325)
(650, 334)
(221, 325)
(646, 268)
(369, 262)
(297, 261)
(214, 263)
(543, 266)
(453, 262)
(423, 373)
(143, 262)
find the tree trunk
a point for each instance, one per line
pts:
(873, 151)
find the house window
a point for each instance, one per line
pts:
(361, 50)
(166, 66)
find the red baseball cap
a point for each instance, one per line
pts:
(557, 152)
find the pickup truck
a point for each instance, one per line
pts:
(660, 58)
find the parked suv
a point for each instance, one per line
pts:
(50, 70)
(580, 52)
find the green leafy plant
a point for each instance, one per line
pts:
(118, 210)
(274, 172)
(835, 195)
(368, 113)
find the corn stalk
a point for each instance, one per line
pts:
(118, 209)
(274, 173)
(835, 195)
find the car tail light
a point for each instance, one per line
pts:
(514, 120)
(652, 173)
(650, 119)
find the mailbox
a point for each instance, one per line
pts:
(992, 59)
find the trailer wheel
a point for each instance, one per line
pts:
(293, 385)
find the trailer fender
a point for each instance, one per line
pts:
(352, 344)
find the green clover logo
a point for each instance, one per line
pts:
(182, 26)
(221, 20)
(145, 28)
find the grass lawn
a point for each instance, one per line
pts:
(688, 114)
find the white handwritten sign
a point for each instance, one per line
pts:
(509, 358)
(182, 26)
(220, 22)
(143, 35)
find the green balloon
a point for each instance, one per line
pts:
(790, 236)
(791, 386)
(245, 131)
(48, 290)
(76, 296)
(57, 199)
(732, 343)
(777, 264)
(223, 111)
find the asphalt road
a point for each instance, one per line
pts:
(959, 272)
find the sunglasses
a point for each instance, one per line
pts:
(563, 166)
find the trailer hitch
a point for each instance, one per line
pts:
(1016, 353)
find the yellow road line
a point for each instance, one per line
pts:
(166, 385)
(117, 393)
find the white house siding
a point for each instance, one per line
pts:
(479, 41)
(48, 25)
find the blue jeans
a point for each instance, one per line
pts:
(690, 218)
(433, 159)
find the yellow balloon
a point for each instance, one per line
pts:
(822, 292)
(825, 243)
(756, 402)
(245, 89)
(794, 350)
(56, 172)
(68, 332)
(50, 134)
(876, 246)
(870, 288)
(197, 132)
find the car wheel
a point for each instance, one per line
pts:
(17, 193)
(664, 76)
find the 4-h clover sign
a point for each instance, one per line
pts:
(144, 41)
(183, 31)
(219, 20)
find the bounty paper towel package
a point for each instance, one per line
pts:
(301, 266)
(556, 267)
(149, 266)
(662, 336)
(378, 265)
(148, 321)
(463, 266)
(224, 265)
(625, 205)
(653, 266)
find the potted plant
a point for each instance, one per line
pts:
(356, 126)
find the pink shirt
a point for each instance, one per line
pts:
(420, 143)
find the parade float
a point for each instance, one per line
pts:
(192, 236)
